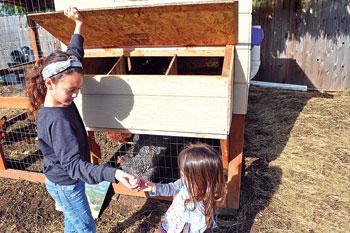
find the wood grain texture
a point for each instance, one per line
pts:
(177, 25)
(13, 102)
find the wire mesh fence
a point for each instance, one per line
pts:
(151, 157)
(18, 47)
(18, 134)
(19, 141)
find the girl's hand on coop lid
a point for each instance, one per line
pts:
(74, 14)
(126, 179)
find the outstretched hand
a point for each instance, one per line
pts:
(129, 181)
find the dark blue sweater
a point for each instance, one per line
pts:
(64, 143)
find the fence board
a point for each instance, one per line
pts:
(306, 42)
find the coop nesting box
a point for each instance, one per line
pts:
(163, 69)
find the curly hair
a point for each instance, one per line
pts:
(35, 85)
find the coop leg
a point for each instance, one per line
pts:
(3, 164)
(95, 151)
(33, 34)
(235, 156)
(224, 145)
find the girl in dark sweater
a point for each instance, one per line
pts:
(52, 85)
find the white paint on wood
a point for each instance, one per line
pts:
(240, 98)
(60, 5)
(172, 104)
(244, 28)
(245, 6)
(242, 58)
(242, 64)
(156, 85)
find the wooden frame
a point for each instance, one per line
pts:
(231, 144)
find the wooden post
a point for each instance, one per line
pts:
(3, 164)
(235, 150)
(224, 144)
(33, 35)
(95, 151)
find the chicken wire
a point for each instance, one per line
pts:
(19, 141)
(151, 157)
(16, 51)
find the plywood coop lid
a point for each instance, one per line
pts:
(201, 23)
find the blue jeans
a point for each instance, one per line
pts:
(71, 199)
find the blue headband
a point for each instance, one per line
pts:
(60, 66)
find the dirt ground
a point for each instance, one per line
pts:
(297, 175)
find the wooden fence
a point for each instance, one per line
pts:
(306, 42)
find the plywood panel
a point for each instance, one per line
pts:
(176, 25)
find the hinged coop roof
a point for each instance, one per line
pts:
(200, 23)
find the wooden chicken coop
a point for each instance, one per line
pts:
(174, 68)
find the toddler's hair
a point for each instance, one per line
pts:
(202, 169)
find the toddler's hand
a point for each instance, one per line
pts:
(146, 186)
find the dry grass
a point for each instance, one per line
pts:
(301, 142)
(297, 176)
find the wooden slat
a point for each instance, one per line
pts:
(33, 35)
(23, 175)
(172, 69)
(16, 68)
(13, 120)
(109, 4)
(205, 115)
(3, 164)
(162, 133)
(236, 140)
(40, 178)
(224, 145)
(155, 85)
(119, 67)
(213, 51)
(120, 189)
(210, 24)
(227, 71)
(13, 102)
(95, 151)
(153, 103)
